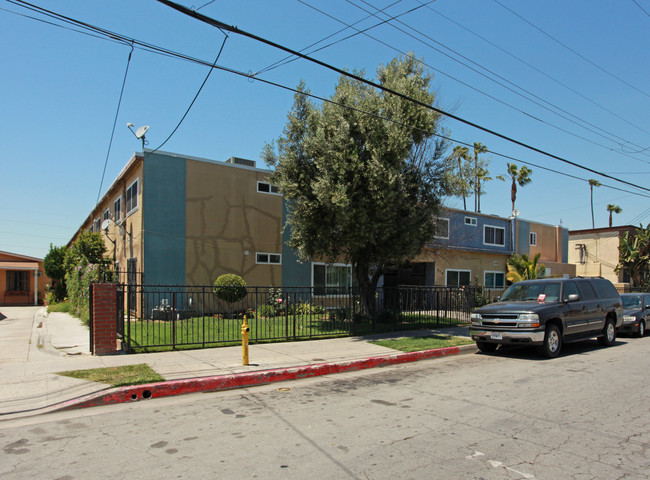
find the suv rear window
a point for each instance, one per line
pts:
(604, 288)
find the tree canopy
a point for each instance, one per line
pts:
(634, 255)
(362, 174)
(521, 267)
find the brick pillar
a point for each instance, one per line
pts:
(104, 327)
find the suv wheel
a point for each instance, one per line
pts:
(641, 330)
(486, 347)
(552, 342)
(609, 334)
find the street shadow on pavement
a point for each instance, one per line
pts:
(2, 317)
(568, 349)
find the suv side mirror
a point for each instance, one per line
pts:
(573, 297)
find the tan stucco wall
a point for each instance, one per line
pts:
(549, 242)
(127, 236)
(228, 222)
(602, 254)
(477, 263)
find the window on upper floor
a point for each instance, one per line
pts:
(494, 235)
(470, 221)
(533, 239)
(96, 226)
(132, 198)
(458, 278)
(107, 214)
(269, 258)
(442, 228)
(494, 280)
(117, 209)
(264, 187)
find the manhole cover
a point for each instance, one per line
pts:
(284, 389)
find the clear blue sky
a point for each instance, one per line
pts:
(60, 91)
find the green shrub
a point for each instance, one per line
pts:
(266, 311)
(78, 281)
(230, 288)
(387, 316)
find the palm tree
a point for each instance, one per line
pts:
(593, 183)
(611, 208)
(480, 173)
(521, 267)
(520, 176)
(461, 153)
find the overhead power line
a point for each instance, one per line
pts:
(122, 39)
(624, 82)
(233, 29)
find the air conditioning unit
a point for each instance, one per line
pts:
(241, 161)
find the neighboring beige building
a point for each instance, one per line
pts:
(595, 253)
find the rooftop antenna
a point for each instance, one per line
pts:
(139, 133)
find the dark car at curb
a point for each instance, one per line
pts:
(636, 313)
(547, 313)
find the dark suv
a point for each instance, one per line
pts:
(549, 312)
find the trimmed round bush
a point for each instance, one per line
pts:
(230, 288)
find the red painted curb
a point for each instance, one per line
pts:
(247, 379)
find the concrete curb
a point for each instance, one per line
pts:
(248, 379)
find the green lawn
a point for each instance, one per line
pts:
(59, 307)
(416, 344)
(117, 376)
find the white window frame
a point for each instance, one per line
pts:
(439, 219)
(471, 221)
(117, 214)
(107, 214)
(485, 227)
(271, 188)
(326, 265)
(493, 272)
(137, 205)
(533, 239)
(459, 270)
(268, 258)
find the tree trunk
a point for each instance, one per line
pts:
(368, 290)
(513, 195)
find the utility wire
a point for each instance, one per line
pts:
(533, 117)
(642, 9)
(604, 133)
(233, 29)
(170, 53)
(117, 112)
(195, 96)
(572, 50)
(538, 70)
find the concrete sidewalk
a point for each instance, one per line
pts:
(34, 346)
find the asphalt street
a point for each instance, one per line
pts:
(510, 415)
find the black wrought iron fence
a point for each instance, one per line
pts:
(152, 317)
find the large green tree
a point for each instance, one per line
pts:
(362, 174)
(88, 248)
(479, 173)
(459, 173)
(611, 208)
(54, 267)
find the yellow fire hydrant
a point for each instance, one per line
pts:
(244, 341)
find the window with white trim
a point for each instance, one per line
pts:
(268, 258)
(442, 228)
(533, 239)
(470, 221)
(458, 278)
(335, 279)
(494, 279)
(107, 214)
(494, 235)
(117, 209)
(264, 187)
(132, 197)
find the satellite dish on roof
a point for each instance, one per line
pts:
(139, 133)
(105, 224)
